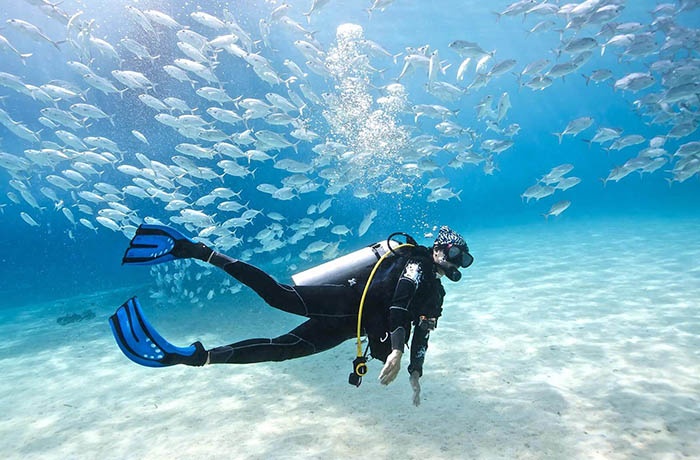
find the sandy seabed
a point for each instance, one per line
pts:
(563, 341)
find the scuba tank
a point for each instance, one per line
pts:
(350, 269)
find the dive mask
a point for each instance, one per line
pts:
(459, 256)
(456, 252)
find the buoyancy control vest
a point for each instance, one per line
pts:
(381, 265)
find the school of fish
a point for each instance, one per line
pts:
(329, 119)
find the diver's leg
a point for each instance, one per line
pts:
(310, 301)
(277, 295)
(313, 336)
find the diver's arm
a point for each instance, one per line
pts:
(399, 315)
(419, 345)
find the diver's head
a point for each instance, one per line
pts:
(450, 252)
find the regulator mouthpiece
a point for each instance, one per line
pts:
(453, 274)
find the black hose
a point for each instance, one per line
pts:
(409, 240)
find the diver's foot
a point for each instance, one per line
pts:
(185, 249)
(198, 358)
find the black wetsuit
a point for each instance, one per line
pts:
(405, 288)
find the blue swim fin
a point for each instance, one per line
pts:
(142, 344)
(155, 244)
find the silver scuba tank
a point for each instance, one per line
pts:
(348, 270)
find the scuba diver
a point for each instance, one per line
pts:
(379, 291)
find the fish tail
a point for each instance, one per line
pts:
(519, 78)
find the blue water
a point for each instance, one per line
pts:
(45, 262)
(574, 336)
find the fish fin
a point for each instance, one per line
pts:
(58, 43)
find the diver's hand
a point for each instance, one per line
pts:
(391, 367)
(415, 384)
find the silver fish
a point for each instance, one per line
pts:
(367, 220)
(557, 208)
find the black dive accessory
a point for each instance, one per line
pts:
(359, 369)
(359, 365)
(409, 240)
(452, 273)
(427, 324)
